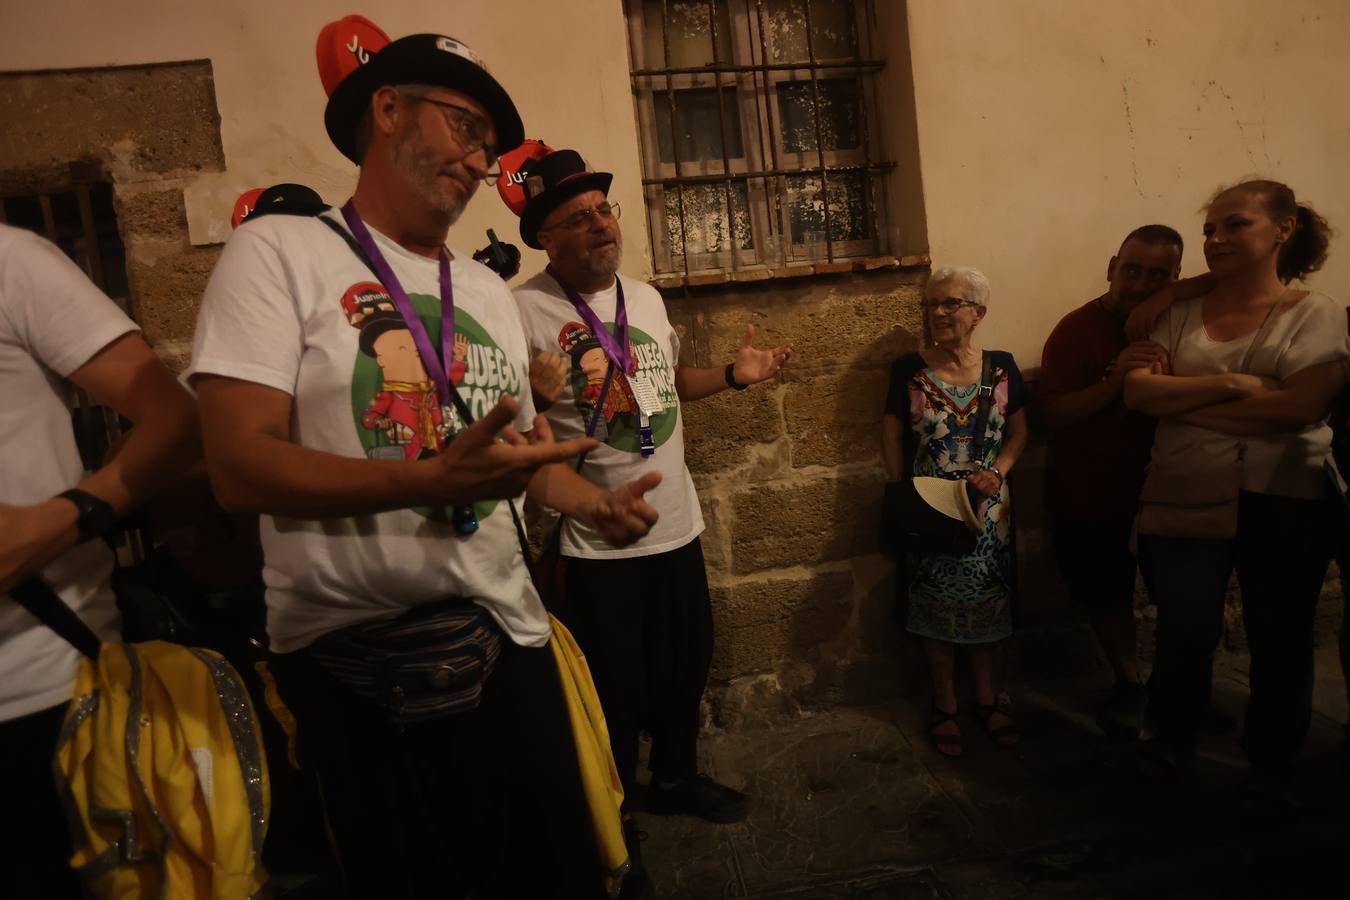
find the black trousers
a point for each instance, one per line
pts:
(1095, 561)
(486, 803)
(1281, 552)
(35, 845)
(645, 625)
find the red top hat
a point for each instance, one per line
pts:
(356, 59)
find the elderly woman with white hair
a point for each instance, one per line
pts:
(933, 410)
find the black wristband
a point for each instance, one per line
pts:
(731, 378)
(96, 517)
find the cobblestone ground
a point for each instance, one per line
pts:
(855, 803)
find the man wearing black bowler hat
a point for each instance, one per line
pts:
(407, 638)
(641, 613)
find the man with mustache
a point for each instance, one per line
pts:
(641, 613)
(1097, 453)
(407, 638)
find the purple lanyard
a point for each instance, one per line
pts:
(435, 365)
(615, 345)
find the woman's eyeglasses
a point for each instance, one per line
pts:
(948, 306)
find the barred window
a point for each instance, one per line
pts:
(758, 127)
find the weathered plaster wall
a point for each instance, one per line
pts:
(1049, 128)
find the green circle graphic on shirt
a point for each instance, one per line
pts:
(623, 427)
(488, 374)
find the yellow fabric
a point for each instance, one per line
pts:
(279, 710)
(599, 775)
(171, 817)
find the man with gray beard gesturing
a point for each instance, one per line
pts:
(340, 359)
(640, 613)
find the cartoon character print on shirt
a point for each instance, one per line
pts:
(394, 399)
(618, 425)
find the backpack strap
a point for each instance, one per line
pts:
(908, 444)
(49, 609)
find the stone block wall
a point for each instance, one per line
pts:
(789, 474)
(149, 130)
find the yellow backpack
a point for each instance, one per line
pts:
(161, 767)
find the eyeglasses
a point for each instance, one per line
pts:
(582, 218)
(948, 306)
(470, 132)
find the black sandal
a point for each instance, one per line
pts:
(1005, 736)
(950, 745)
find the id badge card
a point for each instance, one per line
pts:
(644, 391)
(645, 442)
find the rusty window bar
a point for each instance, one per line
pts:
(772, 212)
(873, 169)
(875, 64)
(820, 134)
(722, 130)
(674, 142)
(90, 234)
(784, 233)
(864, 126)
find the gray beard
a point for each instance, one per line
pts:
(414, 160)
(604, 268)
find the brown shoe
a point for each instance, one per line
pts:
(947, 743)
(1008, 735)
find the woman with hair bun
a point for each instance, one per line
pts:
(1239, 478)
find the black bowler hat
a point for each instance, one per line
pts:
(551, 181)
(417, 59)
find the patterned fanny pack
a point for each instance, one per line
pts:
(430, 662)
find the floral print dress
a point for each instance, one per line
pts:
(966, 598)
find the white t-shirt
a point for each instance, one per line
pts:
(52, 321)
(552, 323)
(1311, 332)
(290, 306)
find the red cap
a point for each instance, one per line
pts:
(247, 202)
(346, 45)
(510, 184)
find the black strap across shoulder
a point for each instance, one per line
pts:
(983, 405)
(48, 608)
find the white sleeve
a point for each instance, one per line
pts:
(1162, 331)
(54, 311)
(249, 325)
(516, 314)
(1319, 337)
